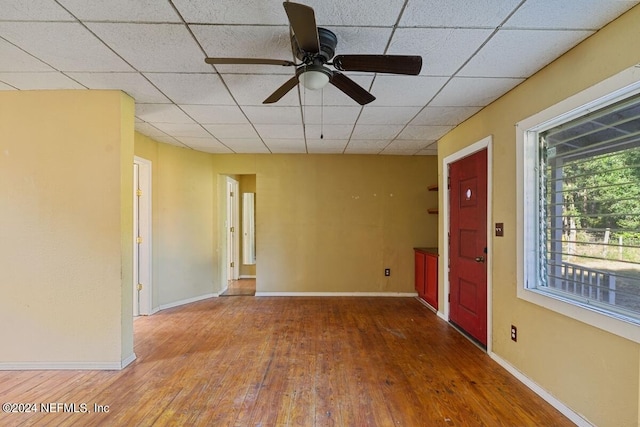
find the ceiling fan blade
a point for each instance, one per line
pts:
(394, 64)
(258, 61)
(351, 88)
(282, 90)
(303, 21)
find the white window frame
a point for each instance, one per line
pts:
(622, 85)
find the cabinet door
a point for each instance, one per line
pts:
(421, 264)
(431, 281)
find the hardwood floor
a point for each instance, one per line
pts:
(240, 287)
(277, 361)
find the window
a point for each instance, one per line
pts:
(580, 209)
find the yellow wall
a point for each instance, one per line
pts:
(324, 223)
(593, 372)
(65, 228)
(332, 223)
(183, 218)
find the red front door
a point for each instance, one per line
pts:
(468, 245)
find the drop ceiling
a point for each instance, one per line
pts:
(473, 52)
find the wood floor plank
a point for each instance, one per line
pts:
(279, 361)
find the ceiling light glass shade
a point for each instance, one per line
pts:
(313, 79)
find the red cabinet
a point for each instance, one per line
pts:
(426, 275)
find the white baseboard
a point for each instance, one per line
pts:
(247, 276)
(187, 301)
(564, 409)
(441, 315)
(127, 361)
(65, 366)
(337, 294)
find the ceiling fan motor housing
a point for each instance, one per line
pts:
(328, 43)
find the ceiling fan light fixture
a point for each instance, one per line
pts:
(314, 77)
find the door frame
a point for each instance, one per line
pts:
(143, 263)
(485, 143)
(232, 218)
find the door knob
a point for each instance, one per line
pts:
(479, 259)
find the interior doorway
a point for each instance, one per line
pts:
(142, 285)
(239, 271)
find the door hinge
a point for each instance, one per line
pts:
(139, 287)
(449, 298)
(232, 264)
(138, 192)
(448, 182)
(139, 240)
(231, 194)
(233, 229)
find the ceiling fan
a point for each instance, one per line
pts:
(315, 47)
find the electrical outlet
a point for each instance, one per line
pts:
(387, 272)
(514, 333)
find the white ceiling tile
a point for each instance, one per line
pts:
(443, 50)
(178, 130)
(424, 132)
(451, 116)
(286, 145)
(361, 40)
(153, 47)
(372, 114)
(149, 130)
(273, 114)
(415, 145)
(263, 12)
(326, 146)
(215, 114)
(188, 88)
(4, 86)
(568, 14)
(202, 142)
(370, 146)
(280, 131)
(356, 13)
(33, 10)
(162, 113)
(246, 42)
(122, 10)
(376, 132)
(253, 89)
(390, 151)
(213, 149)
(457, 13)
(66, 46)
(15, 59)
(33, 81)
(247, 146)
(331, 114)
(225, 132)
(473, 92)
(330, 132)
(520, 53)
(133, 84)
(405, 90)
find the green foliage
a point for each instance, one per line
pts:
(604, 192)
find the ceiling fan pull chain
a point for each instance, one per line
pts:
(321, 113)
